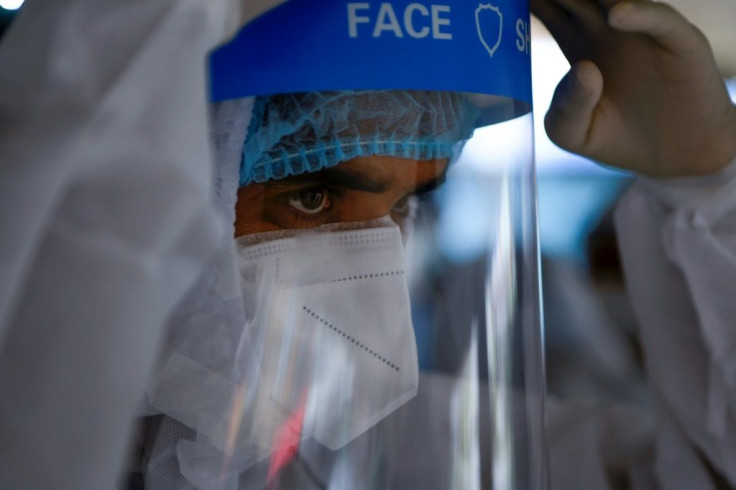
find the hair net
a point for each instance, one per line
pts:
(291, 134)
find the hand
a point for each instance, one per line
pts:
(643, 93)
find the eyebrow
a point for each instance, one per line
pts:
(339, 177)
(432, 184)
(357, 180)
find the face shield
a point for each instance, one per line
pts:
(375, 323)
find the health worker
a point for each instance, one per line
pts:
(121, 281)
(298, 372)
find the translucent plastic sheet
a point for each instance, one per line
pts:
(384, 327)
(375, 323)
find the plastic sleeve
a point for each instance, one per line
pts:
(678, 245)
(106, 216)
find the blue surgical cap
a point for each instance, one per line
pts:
(291, 134)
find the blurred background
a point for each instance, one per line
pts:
(592, 349)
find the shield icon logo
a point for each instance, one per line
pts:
(489, 21)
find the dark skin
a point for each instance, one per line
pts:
(361, 189)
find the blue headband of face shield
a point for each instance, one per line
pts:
(291, 134)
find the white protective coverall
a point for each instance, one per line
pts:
(678, 244)
(106, 216)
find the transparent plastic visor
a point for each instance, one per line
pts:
(376, 323)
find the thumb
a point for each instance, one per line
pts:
(570, 115)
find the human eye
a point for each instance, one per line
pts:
(305, 207)
(405, 208)
(401, 206)
(291, 204)
(310, 201)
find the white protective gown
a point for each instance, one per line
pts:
(106, 216)
(105, 219)
(678, 244)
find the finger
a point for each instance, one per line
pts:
(660, 21)
(609, 4)
(563, 26)
(587, 12)
(570, 117)
(554, 18)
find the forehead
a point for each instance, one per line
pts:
(377, 174)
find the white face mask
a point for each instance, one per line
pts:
(330, 319)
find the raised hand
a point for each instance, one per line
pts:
(643, 93)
